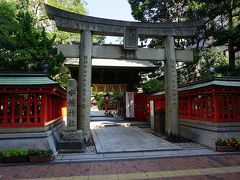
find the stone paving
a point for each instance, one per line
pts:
(117, 142)
(195, 167)
(93, 156)
(128, 139)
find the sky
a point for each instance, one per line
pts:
(110, 9)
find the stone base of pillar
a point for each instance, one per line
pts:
(71, 142)
(174, 137)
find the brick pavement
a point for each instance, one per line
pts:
(195, 167)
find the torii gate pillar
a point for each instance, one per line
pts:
(171, 93)
(84, 83)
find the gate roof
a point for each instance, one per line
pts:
(106, 63)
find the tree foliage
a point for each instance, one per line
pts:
(76, 6)
(222, 25)
(221, 28)
(153, 85)
(157, 10)
(114, 96)
(28, 37)
(208, 62)
(23, 47)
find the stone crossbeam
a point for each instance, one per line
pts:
(117, 52)
(72, 22)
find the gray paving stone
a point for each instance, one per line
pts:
(82, 156)
(160, 153)
(128, 139)
(130, 143)
(114, 155)
(132, 155)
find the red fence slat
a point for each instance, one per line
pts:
(26, 109)
(214, 104)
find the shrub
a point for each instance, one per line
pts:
(231, 142)
(238, 142)
(40, 152)
(221, 142)
(15, 152)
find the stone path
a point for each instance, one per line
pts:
(128, 139)
(210, 167)
(118, 143)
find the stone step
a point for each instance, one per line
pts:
(141, 125)
(71, 146)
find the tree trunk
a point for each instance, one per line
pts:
(231, 55)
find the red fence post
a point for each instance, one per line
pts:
(28, 108)
(189, 106)
(21, 109)
(13, 108)
(35, 108)
(227, 107)
(50, 108)
(215, 108)
(44, 109)
(234, 109)
(238, 103)
(5, 107)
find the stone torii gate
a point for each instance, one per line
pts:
(131, 31)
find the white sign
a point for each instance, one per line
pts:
(130, 104)
(152, 114)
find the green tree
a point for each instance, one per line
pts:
(222, 25)
(157, 10)
(208, 62)
(100, 100)
(221, 28)
(76, 6)
(23, 47)
(152, 85)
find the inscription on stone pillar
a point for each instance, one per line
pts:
(72, 104)
(84, 66)
(130, 38)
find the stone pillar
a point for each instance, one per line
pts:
(84, 83)
(71, 139)
(171, 93)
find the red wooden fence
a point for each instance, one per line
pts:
(214, 104)
(140, 100)
(31, 106)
